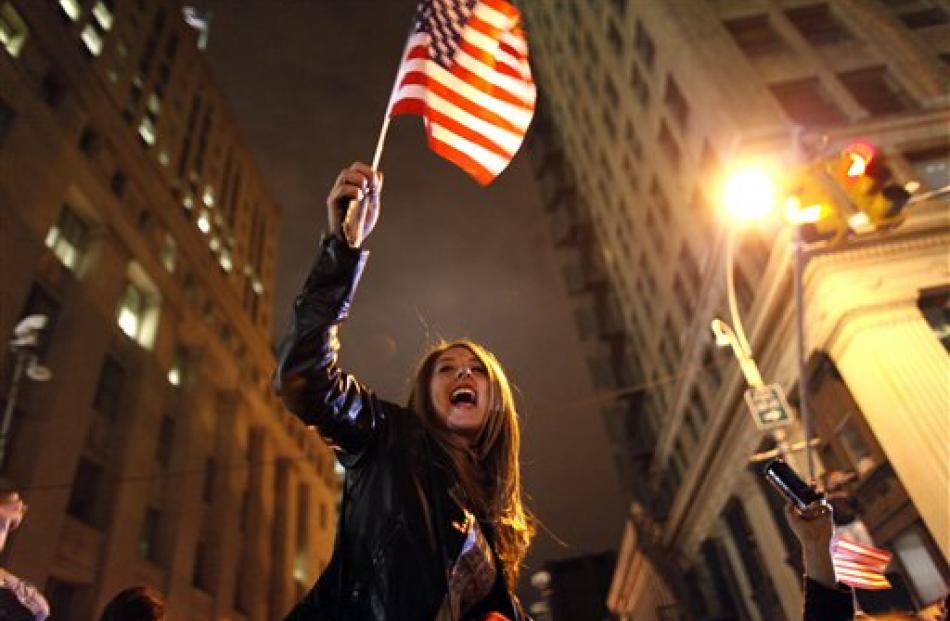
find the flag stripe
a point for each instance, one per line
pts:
(490, 161)
(467, 163)
(464, 103)
(511, 108)
(445, 112)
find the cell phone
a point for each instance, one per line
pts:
(790, 485)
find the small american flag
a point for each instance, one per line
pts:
(858, 565)
(465, 71)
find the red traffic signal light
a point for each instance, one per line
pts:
(859, 157)
(867, 179)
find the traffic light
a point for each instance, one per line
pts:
(864, 175)
(810, 206)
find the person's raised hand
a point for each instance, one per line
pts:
(814, 529)
(354, 202)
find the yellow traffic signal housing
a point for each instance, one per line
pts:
(810, 206)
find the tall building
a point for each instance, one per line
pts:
(135, 219)
(645, 106)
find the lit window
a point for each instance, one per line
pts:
(13, 30)
(225, 260)
(147, 131)
(204, 222)
(257, 286)
(71, 8)
(154, 104)
(176, 371)
(132, 310)
(188, 202)
(138, 308)
(103, 15)
(163, 158)
(208, 196)
(92, 39)
(169, 252)
(67, 238)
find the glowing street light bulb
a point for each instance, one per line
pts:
(749, 194)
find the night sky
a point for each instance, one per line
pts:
(308, 81)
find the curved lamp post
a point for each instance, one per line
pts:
(23, 345)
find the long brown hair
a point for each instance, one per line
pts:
(488, 470)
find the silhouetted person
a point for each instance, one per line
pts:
(137, 603)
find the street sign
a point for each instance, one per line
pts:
(769, 408)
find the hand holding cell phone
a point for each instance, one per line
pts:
(804, 498)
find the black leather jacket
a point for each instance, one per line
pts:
(394, 537)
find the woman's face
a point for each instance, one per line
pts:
(459, 391)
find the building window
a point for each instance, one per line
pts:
(818, 24)
(689, 267)
(13, 30)
(932, 166)
(925, 18)
(919, 563)
(71, 8)
(640, 87)
(84, 497)
(874, 89)
(138, 308)
(108, 395)
(806, 102)
(614, 37)
(165, 442)
(89, 141)
(676, 103)
(935, 306)
(132, 308)
(669, 146)
(148, 538)
(102, 11)
(755, 36)
(147, 130)
(646, 49)
(201, 578)
(711, 366)
(169, 252)
(6, 119)
(52, 89)
(67, 238)
(92, 39)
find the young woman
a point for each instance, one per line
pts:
(431, 519)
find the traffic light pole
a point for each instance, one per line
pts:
(803, 409)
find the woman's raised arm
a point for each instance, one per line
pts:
(307, 377)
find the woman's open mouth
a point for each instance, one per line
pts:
(463, 396)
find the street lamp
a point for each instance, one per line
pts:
(751, 193)
(23, 345)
